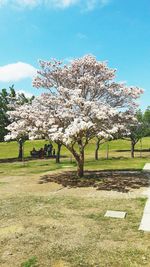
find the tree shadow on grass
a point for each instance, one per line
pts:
(12, 160)
(136, 150)
(120, 180)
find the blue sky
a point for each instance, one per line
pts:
(114, 30)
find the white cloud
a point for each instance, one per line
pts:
(16, 72)
(92, 4)
(21, 3)
(3, 2)
(26, 3)
(62, 4)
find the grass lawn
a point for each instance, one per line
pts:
(10, 149)
(47, 225)
(48, 165)
(71, 231)
(119, 158)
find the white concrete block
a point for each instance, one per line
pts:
(115, 214)
(146, 167)
(145, 223)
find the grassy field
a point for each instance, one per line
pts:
(47, 225)
(10, 150)
(119, 158)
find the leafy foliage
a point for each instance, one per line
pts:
(146, 118)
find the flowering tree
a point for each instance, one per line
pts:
(25, 125)
(13, 110)
(82, 101)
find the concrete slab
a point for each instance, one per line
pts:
(115, 214)
(145, 222)
(147, 167)
(147, 207)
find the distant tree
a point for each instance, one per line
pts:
(146, 118)
(98, 143)
(8, 100)
(22, 121)
(4, 121)
(19, 132)
(21, 140)
(147, 115)
(136, 131)
(22, 99)
(105, 137)
(12, 91)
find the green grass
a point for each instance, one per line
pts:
(48, 165)
(31, 167)
(32, 262)
(117, 160)
(10, 149)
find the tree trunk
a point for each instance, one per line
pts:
(20, 155)
(80, 169)
(132, 148)
(97, 149)
(141, 148)
(107, 150)
(79, 157)
(58, 152)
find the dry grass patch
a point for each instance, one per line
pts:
(71, 231)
